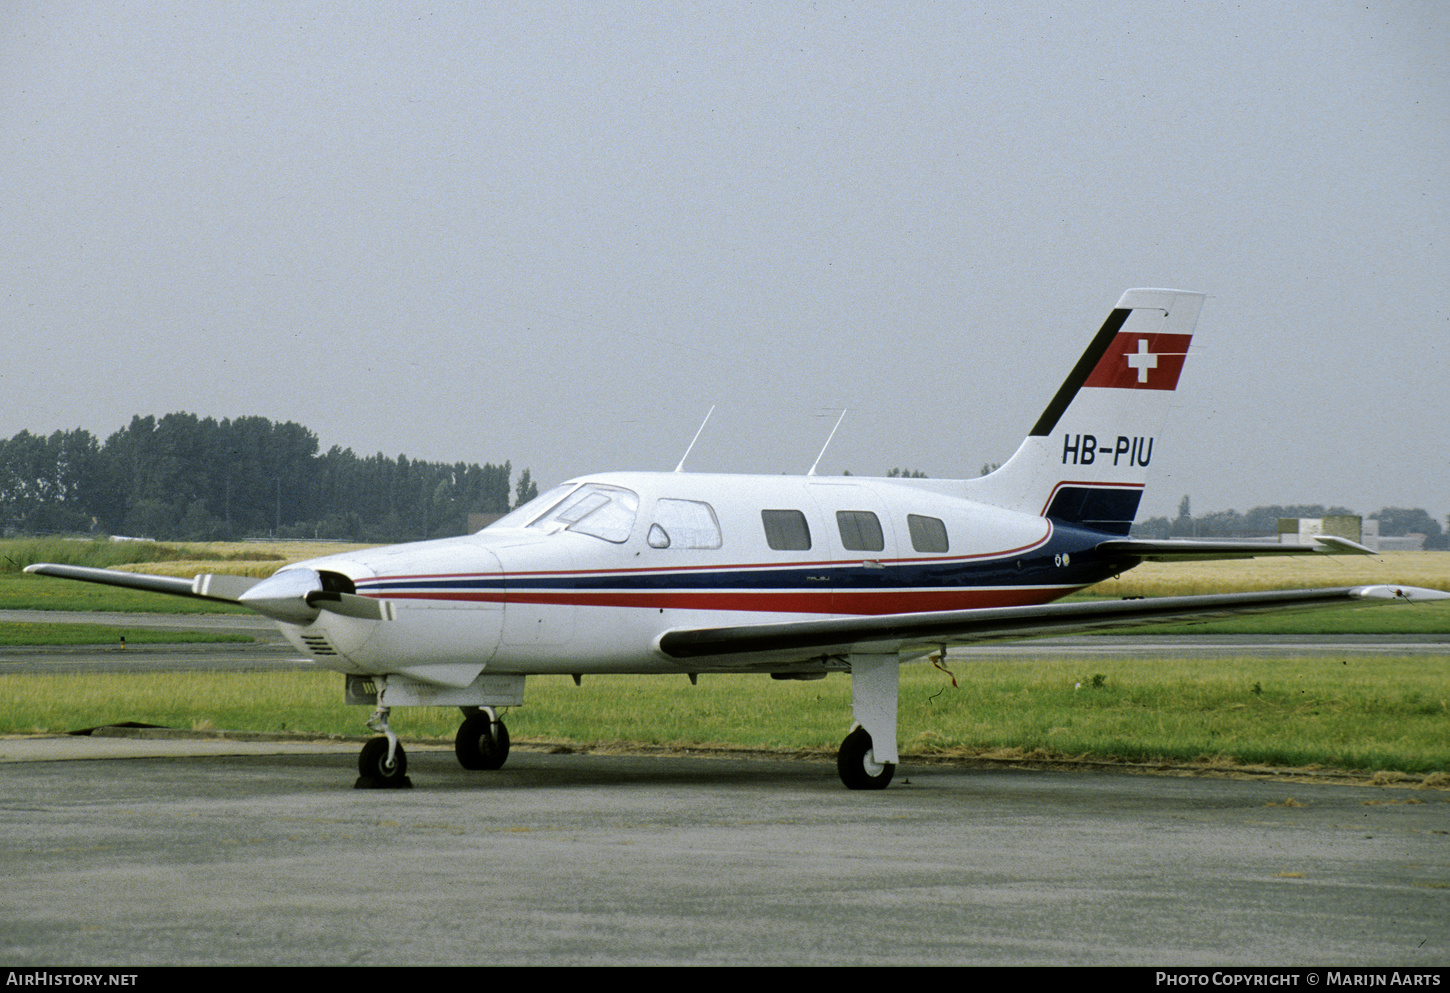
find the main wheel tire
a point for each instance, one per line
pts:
(858, 766)
(481, 743)
(372, 763)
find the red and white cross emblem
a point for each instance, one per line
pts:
(1142, 360)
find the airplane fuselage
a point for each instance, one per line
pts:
(546, 591)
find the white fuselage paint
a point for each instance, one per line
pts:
(524, 600)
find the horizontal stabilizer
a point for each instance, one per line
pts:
(1186, 550)
(763, 645)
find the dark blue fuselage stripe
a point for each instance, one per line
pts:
(1066, 559)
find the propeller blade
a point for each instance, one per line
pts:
(347, 604)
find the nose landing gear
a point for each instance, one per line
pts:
(382, 765)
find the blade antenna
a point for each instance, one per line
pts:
(828, 442)
(681, 466)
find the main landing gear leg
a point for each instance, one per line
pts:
(383, 764)
(867, 758)
(482, 741)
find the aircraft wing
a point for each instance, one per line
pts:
(295, 595)
(1187, 550)
(208, 586)
(766, 645)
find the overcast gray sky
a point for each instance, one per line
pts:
(557, 233)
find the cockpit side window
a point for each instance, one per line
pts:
(684, 524)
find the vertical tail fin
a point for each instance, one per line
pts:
(1086, 459)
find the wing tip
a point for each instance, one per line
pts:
(1410, 594)
(1333, 544)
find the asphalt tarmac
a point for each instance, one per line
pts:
(206, 852)
(268, 652)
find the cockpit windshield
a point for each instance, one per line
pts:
(595, 509)
(520, 517)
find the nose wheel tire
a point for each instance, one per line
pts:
(376, 772)
(481, 743)
(856, 762)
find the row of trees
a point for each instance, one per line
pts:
(1262, 521)
(189, 478)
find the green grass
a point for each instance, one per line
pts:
(102, 553)
(102, 634)
(1355, 712)
(1430, 569)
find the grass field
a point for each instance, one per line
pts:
(1356, 712)
(1431, 569)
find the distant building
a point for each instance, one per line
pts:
(1301, 531)
(1412, 542)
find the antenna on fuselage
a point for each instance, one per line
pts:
(681, 466)
(827, 444)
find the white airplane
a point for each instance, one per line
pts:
(678, 572)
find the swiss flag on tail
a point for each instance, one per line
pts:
(1141, 361)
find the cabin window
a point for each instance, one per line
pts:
(684, 524)
(786, 530)
(928, 534)
(860, 530)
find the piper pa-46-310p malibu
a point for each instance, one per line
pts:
(678, 572)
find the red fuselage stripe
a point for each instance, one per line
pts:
(822, 602)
